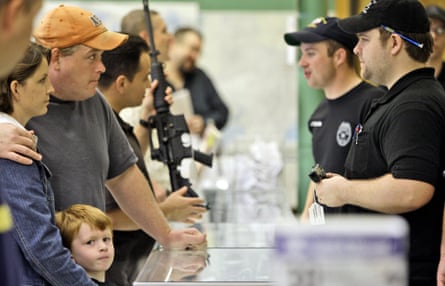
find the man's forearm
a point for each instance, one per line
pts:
(121, 221)
(133, 194)
(389, 195)
(142, 135)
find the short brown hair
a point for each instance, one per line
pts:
(416, 53)
(134, 22)
(70, 220)
(333, 46)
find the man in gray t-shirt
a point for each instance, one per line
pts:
(80, 139)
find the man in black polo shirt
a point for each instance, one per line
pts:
(396, 161)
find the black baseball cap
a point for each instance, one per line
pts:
(322, 29)
(435, 12)
(407, 16)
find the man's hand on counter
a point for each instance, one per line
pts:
(187, 239)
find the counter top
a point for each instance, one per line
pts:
(214, 266)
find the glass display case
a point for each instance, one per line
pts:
(237, 254)
(213, 266)
(240, 229)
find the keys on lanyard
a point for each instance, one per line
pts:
(316, 212)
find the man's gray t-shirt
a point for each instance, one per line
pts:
(83, 146)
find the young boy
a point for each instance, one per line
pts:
(87, 233)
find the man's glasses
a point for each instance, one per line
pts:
(409, 40)
(438, 31)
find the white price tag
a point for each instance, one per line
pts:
(316, 214)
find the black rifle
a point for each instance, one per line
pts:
(174, 141)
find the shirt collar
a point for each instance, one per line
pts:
(400, 85)
(6, 118)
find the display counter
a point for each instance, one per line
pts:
(240, 228)
(347, 251)
(214, 266)
(237, 254)
(253, 239)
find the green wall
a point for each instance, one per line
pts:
(231, 4)
(247, 4)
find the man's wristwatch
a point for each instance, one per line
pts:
(143, 123)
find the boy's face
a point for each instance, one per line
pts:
(93, 249)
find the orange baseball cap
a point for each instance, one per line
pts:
(67, 26)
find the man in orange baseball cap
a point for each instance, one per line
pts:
(80, 138)
(75, 35)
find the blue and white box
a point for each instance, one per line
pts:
(346, 251)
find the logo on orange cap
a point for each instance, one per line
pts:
(96, 21)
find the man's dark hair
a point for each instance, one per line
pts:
(416, 53)
(123, 60)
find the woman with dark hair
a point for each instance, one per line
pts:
(24, 94)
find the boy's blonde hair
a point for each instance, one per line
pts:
(70, 220)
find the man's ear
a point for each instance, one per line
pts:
(55, 58)
(120, 83)
(10, 13)
(340, 56)
(144, 35)
(396, 44)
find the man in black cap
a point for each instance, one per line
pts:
(437, 19)
(395, 164)
(327, 61)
